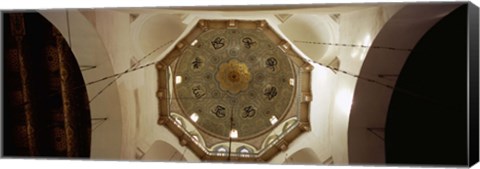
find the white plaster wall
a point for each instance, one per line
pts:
(318, 138)
(313, 28)
(113, 28)
(140, 111)
(357, 27)
(150, 31)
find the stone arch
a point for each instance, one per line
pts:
(92, 56)
(315, 28)
(303, 156)
(366, 128)
(163, 151)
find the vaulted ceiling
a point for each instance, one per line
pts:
(236, 90)
(189, 64)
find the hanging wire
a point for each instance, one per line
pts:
(132, 68)
(119, 74)
(230, 138)
(286, 161)
(135, 67)
(354, 75)
(181, 155)
(358, 76)
(98, 124)
(376, 134)
(350, 45)
(173, 155)
(366, 78)
(116, 76)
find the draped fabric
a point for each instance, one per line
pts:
(46, 108)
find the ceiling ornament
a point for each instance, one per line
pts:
(233, 76)
(238, 87)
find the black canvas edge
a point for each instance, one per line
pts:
(472, 86)
(1, 84)
(473, 92)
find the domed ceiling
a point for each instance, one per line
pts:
(234, 90)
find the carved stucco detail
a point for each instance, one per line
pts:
(234, 74)
(250, 82)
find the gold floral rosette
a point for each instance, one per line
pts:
(233, 76)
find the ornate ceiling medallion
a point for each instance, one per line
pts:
(233, 76)
(234, 86)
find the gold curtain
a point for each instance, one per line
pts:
(46, 108)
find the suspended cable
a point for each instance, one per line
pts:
(183, 153)
(173, 155)
(354, 75)
(117, 77)
(96, 121)
(376, 134)
(286, 158)
(87, 67)
(129, 70)
(110, 76)
(104, 118)
(176, 152)
(99, 124)
(153, 51)
(230, 138)
(373, 81)
(350, 45)
(119, 74)
(135, 67)
(358, 76)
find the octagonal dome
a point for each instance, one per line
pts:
(234, 90)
